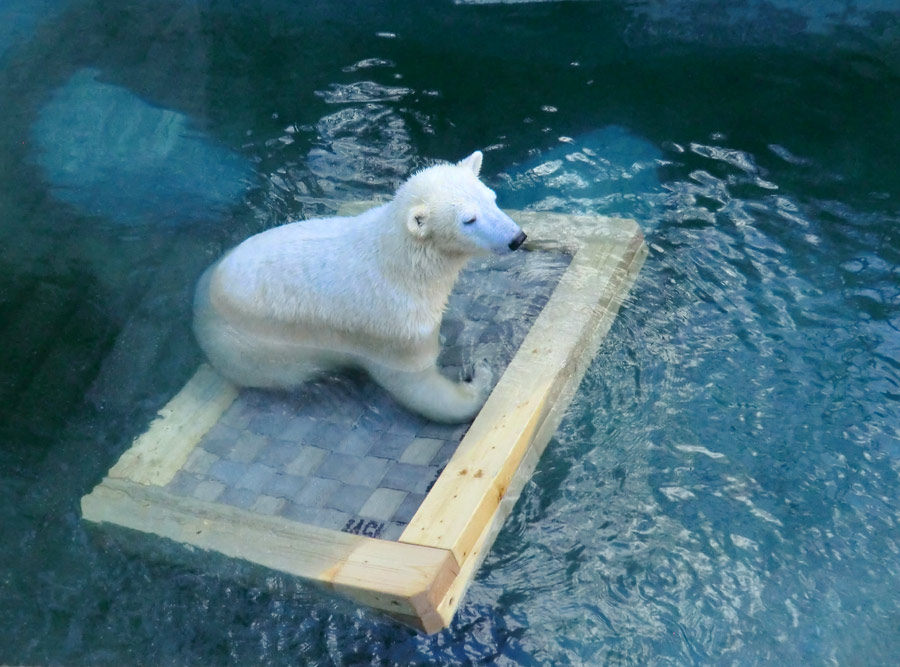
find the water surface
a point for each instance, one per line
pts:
(724, 488)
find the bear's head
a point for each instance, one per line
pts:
(450, 209)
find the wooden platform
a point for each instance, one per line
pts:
(337, 484)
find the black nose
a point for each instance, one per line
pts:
(519, 240)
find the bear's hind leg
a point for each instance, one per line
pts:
(434, 396)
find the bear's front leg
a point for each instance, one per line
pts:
(431, 394)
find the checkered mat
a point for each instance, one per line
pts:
(340, 453)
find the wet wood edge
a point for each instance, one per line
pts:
(403, 579)
(466, 495)
(529, 460)
(161, 451)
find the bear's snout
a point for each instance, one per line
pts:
(519, 240)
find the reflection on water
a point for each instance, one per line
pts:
(725, 486)
(607, 171)
(114, 156)
(353, 140)
(737, 491)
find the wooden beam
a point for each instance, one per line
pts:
(399, 578)
(465, 498)
(162, 450)
(450, 603)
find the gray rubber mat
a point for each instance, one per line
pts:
(339, 452)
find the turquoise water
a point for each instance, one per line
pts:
(725, 487)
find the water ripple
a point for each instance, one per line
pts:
(734, 476)
(362, 91)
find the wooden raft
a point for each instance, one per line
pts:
(421, 577)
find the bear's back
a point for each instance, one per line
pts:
(325, 271)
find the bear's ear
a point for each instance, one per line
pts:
(473, 162)
(417, 222)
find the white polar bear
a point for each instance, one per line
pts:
(366, 292)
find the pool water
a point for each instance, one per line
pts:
(724, 488)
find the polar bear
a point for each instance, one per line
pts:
(367, 292)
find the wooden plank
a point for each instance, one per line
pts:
(476, 478)
(569, 233)
(468, 569)
(162, 450)
(546, 230)
(404, 579)
(464, 499)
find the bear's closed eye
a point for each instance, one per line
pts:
(470, 221)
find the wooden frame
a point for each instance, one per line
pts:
(421, 578)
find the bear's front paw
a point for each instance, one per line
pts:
(482, 378)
